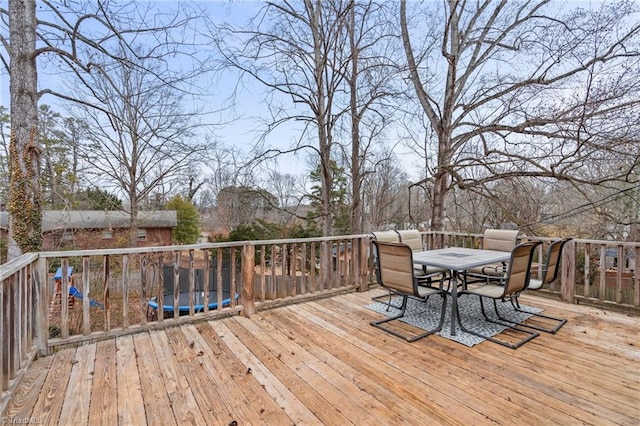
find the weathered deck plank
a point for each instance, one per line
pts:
(321, 363)
(455, 400)
(79, 387)
(51, 397)
(130, 402)
(184, 404)
(247, 395)
(529, 379)
(292, 406)
(26, 395)
(157, 406)
(102, 410)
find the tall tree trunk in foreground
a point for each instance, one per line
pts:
(25, 214)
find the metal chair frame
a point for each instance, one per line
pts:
(549, 274)
(516, 280)
(396, 273)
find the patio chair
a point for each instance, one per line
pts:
(493, 239)
(426, 275)
(549, 274)
(389, 237)
(396, 272)
(515, 280)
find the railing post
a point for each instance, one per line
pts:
(636, 279)
(248, 274)
(362, 263)
(43, 293)
(568, 278)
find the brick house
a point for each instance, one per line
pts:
(100, 229)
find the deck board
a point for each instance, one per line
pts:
(282, 396)
(157, 406)
(79, 387)
(130, 402)
(320, 362)
(102, 410)
(51, 397)
(436, 371)
(185, 407)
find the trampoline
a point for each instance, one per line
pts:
(198, 302)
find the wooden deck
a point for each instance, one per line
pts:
(321, 363)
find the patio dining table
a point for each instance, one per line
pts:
(456, 260)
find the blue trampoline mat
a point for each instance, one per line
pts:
(183, 301)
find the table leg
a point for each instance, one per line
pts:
(454, 302)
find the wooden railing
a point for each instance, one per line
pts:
(119, 286)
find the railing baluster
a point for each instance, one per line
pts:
(86, 321)
(263, 275)
(314, 283)
(160, 288)
(283, 290)
(205, 279)
(192, 285)
(303, 268)
(603, 273)
(107, 301)
(143, 289)
(13, 346)
(587, 270)
(234, 283)
(125, 291)
(619, 269)
(219, 283)
(176, 284)
(4, 339)
(43, 300)
(64, 297)
(636, 279)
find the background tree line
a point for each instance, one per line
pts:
(519, 112)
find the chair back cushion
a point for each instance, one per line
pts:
(388, 236)
(519, 271)
(551, 267)
(499, 239)
(395, 266)
(412, 238)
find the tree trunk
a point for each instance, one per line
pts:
(25, 223)
(322, 118)
(133, 219)
(356, 180)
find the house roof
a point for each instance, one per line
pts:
(99, 219)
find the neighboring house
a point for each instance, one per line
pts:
(96, 229)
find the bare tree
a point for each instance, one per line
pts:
(64, 37)
(512, 89)
(140, 136)
(386, 194)
(56, 175)
(289, 194)
(296, 51)
(370, 77)
(25, 216)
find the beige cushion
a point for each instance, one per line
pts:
(488, 290)
(412, 238)
(387, 236)
(499, 239)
